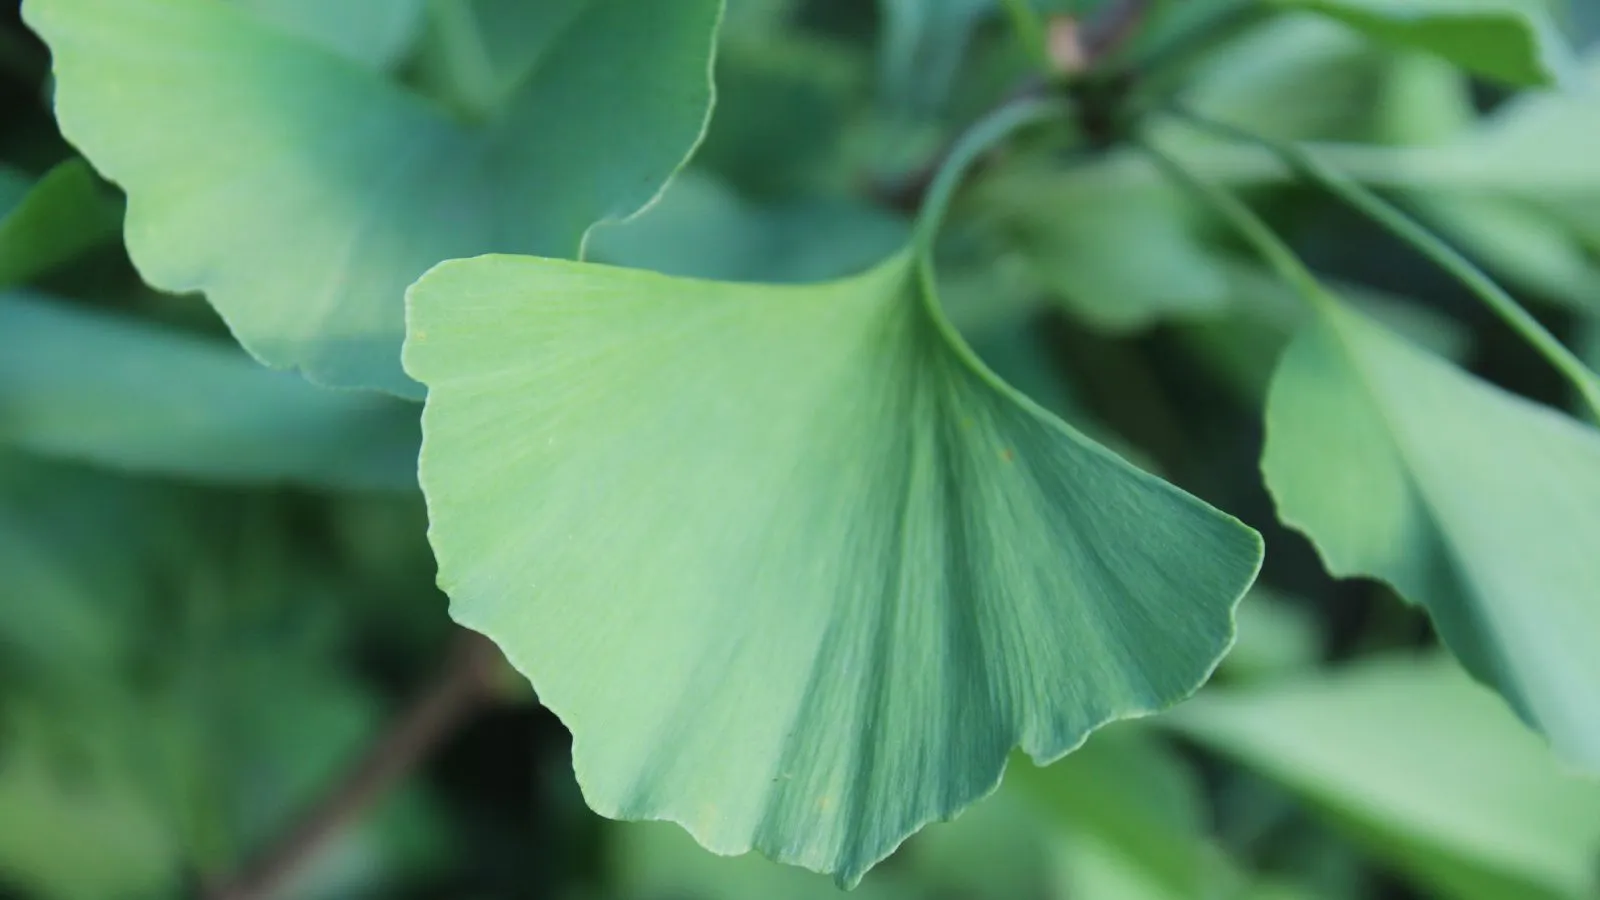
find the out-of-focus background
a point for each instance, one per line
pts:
(197, 650)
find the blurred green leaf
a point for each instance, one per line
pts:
(702, 229)
(68, 614)
(1126, 803)
(375, 33)
(1518, 191)
(1514, 41)
(657, 861)
(1242, 347)
(1294, 77)
(324, 191)
(1427, 102)
(78, 830)
(1479, 505)
(14, 186)
(924, 42)
(1423, 767)
(1116, 253)
(831, 628)
(1277, 637)
(280, 731)
(65, 213)
(783, 103)
(997, 849)
(116, 392)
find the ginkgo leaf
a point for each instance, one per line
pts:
(1481, 506)
(1514, 41)
(302, 193)
(793, 567)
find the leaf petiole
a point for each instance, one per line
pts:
(982, 137)
(1409, 230)
(1272, 248)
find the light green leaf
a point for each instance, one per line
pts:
(375, 33)
(1277, 635)
(1514, 41)
(1520, 190)
(65, 213)
(96, 388)
(302, 193)
(1243, 346)
(1426, 769)
(81, 832)
(1126, 801)
(793, 567)
(1119, 255)
(1481, 506)
(1295, 77)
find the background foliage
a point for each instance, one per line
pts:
(217, 590)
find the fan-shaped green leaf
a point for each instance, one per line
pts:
(1483, 507)
(1425, 769)
(794, 568)
(1515, 41)
(302, 193)
(96, 388)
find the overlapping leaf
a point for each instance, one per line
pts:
(65, 213)
(1515, 41)
(797, 572)
(1074, 232)
(302, 193)
(96, 388)
(1423, 767)
(1483, 507)
(1519, 191)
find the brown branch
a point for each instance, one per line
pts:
(1074, 48)
(468, 682)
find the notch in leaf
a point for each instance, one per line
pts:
(1481, 506)
(796, 570)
